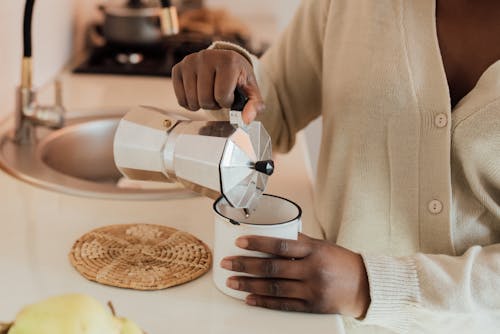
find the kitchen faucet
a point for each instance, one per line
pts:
(29, 113)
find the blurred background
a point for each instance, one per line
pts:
(64, 32)
(59, 29)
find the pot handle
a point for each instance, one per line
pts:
(169, 19)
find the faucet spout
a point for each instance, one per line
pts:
(29, 113)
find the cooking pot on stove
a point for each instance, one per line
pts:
(139, 23)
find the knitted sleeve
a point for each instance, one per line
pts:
(466, 285)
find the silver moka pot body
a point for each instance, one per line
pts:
(208, 157)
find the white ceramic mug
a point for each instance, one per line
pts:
(274, 217)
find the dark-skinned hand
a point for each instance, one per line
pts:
(305, 275)
(208, 79)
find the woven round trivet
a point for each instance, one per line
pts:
(140, 256)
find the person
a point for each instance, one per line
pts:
(408, 182)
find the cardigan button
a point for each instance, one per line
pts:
(441, 120)
(435, 207)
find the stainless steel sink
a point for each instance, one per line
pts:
(78, 160)
(83, 151)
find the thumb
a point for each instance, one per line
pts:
(255, 103)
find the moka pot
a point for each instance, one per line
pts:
(212, 158)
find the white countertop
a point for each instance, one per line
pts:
(38, 228)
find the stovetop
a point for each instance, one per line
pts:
(152, 61)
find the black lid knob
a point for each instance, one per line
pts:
(265, 167)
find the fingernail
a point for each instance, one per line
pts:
(227, 264)
(233, 283)
(251, 301)
(242, 242)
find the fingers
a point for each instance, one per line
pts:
(190, 80)
(265, 267)
(207, 80)
(179, 86)
(252, 109)
(280, 247)
(269, 287)
(205, 88)
(283, 304)
(255, 104)
(225, 84)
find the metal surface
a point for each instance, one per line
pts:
(76, 160)
(209, 157)
(187, 151)
(241, 184)
(30, 114)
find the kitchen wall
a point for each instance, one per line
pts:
(279, 10)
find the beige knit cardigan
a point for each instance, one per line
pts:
(410, 183)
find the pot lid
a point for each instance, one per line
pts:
(246, 165)
(132, 7)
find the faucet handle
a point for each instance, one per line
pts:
(51, 116)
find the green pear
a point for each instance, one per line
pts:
(69, 314)
(129, 327)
